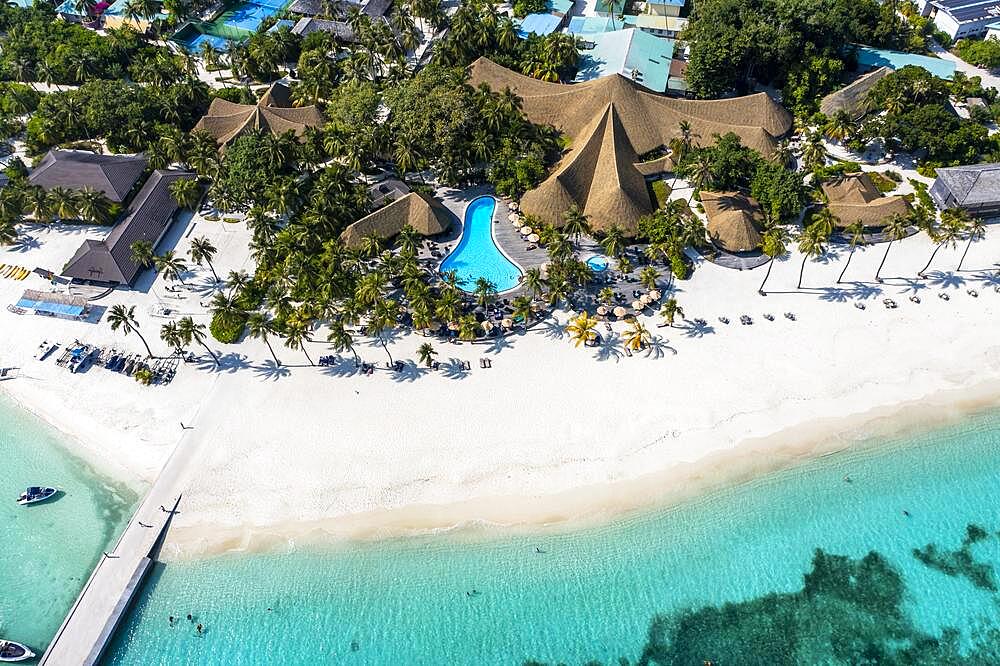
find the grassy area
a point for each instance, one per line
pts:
(659, 193)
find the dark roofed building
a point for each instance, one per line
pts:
(114, 175)
(975, 187)
(341, 31)
(149, 216)
(387, 191)
(373, 8)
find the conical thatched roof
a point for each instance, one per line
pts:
(610, 121)
(733, 220)
(599, 176)
(852, 97)
(227, 120)
(649, 120)
(425, 214)
(854, 198)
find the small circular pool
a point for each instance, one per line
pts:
(598, 263)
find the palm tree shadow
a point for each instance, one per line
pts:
(696, 329)
(914, 285)
(271, 370)
(945, 280)
(24, 243)
(553, 330)
(988, 279)
(658, 347)
(344, 368)
(864, 291)
(205, 287)
(410, 372)
(609, 348)
(453, 369)
(229, 363)
(499, 344)
(835, 295)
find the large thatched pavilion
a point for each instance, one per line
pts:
(425, 214)
(734, 220)
(273, 113)
(612, 121)
(854, 198)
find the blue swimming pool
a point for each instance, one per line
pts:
(250, 15)
(477, 255)
(194, 44)
(598, 263)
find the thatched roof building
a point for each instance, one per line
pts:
(733, 220)
(854, 198)
(852, 97)
(611, 120)
(425, 214)
(227, 120)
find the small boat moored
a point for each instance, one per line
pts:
(11, 652)
(36, 494)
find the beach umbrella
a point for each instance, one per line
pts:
(507, 323)
(654, 295)
(619, 311)
(602, 310)
(534, 238)
(638, 305)
(453, 326)
(645, 299)
(513, 205)
(525, 231)
(544, 269)
(487, 326)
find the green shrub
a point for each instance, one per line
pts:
(920, 189)
(894, 175)
(660, 193)
(228, 329)
(928, 169)
(883, 184)
(524, 7)
(679, 267)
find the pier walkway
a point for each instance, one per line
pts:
(118, 576)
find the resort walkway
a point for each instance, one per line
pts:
(105, 599)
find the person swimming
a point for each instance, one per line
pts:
(199, 628)
(190, 618)
(171, 620)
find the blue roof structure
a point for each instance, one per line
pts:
(559, 6)
(539, 24)
(636, 55)
(869, 57)
(55, 309)
(584, 26)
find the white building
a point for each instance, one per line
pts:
(961, 18)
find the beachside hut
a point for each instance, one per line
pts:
(974, 187)
(52, 304)
(734, 220)
(149, 215)
(425, 214)
(113, 175)
(611, 120)
(854, 198)
(227, 120)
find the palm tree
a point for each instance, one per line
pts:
(426, 354)
(811, 243)
(186, 192)
(614, 241)
(202, 250)
(173, 267)
(172, 337)
(773, 246)
(533, 281)
(63, 203)
(948, 233)
(857, 231)
(485, 292)
(813, 150)
(93, 206)
(523, 309)
(341, 339)
(191, 332)
(260, 327)
(382, 318)
(670, 311)
(582, 329)
(896, 229)
(468, 328)
(840, 126)
(297, 334)
(637, 336)
(702, 174)
(577, 224)
(8, 232)
(237, 280)
(124, 318)
(142, 253)
(648, 277)
(976, 230)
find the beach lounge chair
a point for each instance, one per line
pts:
(973, 293)
(724, 320)
(944, 297)
(914, 299)
(769, 317)
(859, 305)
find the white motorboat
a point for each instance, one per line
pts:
(11, 652)
(36, 494)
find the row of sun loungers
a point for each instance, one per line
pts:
(77, 357)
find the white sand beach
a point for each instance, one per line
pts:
(550, 432)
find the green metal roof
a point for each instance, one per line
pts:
(634, 54)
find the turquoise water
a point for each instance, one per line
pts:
(48, 549)
(477, 255)
(594, 594)
(598, 263)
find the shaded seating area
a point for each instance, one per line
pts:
(734, 221)
(425, 214)
(150, 214)
(273, 113)
(611, 120)
(112, 175)
(51, 304)
(854, 198)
